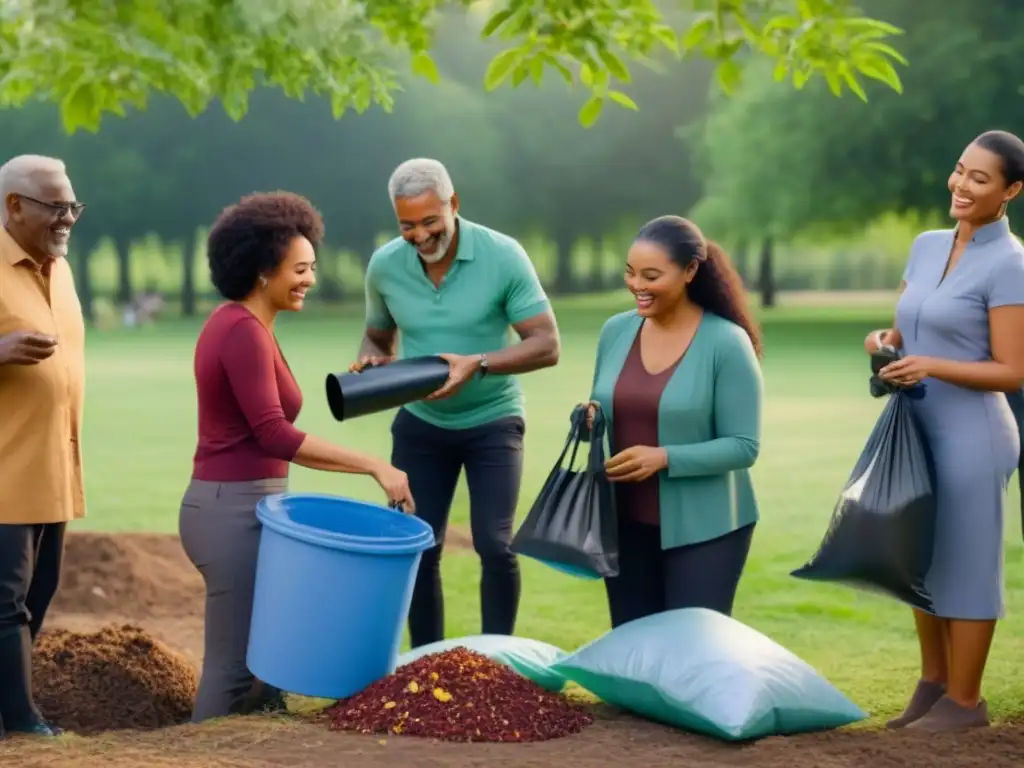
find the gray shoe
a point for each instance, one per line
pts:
(926, 696)
(947, 715)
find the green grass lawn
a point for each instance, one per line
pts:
(140, 436)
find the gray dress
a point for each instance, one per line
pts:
(973, 435)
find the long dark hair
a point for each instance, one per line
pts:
(717, 287)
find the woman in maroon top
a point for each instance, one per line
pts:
(262, 259)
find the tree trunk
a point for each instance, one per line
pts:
(188, 279)
(741, 260)
(565, 279)
(598, 273)
(767, 277)
(124, 270)
(84, 283)
(328, 285)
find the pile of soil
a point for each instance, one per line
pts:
(119, 677)
(459, 695)
(131, 575)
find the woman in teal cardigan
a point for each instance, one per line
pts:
(679, 383)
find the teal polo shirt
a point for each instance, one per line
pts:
(490, 286)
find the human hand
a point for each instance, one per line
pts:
(367, 362)
(25, 348)
(636, 464)
(908, 371)
(395, 484)
(460, 370)
(875, 340)
(591, 407)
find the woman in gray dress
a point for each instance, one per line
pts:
(958, 322)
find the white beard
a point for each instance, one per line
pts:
(443, 244)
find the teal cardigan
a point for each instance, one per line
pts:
(709, 419)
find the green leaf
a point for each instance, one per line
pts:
(882, 70)
(524, 21)
(537, 70)
(519, 74)
(728, 73)
(615, 65)
(236, 103)
(622, 99)
(834, 83)
(339, 104)
(562, 69)
(496, 21)
(425, 67)
(667, 37)
(78, 110)
(747, 27)
(878, 25)
(800, 78)
(886, 50)
(781, 24)
(854, 84)
(781, 70)
(591, 110)
(698, 33)
(362, 96)
(500, 67)
(586, 75)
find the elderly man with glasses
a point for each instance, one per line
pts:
(42, 388)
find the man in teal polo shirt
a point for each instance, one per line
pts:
(450, 287)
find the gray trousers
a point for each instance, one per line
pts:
(221, 535)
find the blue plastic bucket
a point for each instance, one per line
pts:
(333, 585)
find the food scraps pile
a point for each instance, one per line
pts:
(119, 677)
(458, 695)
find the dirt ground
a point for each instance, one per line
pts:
(145, 580)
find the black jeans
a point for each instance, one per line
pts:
(30, 561)
(652, 580)
(433, 458)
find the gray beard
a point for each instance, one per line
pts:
(442, 250)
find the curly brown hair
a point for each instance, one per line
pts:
(250, 239)
(717, 287)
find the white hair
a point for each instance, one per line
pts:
(16, 171)
(419, 175)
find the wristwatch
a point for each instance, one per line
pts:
(483, 365)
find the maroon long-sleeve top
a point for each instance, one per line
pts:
(248, 400)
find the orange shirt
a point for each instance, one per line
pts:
(41, 405)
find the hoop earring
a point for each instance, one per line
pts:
(1003, 207)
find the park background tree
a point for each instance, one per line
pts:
(778, 163)
(778, 174)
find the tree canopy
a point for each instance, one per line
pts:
(779, 163)
(98, 57)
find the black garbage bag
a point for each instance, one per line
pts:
(878, 386)
(882, 532)
(573, 526)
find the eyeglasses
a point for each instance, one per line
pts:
(59, 209)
